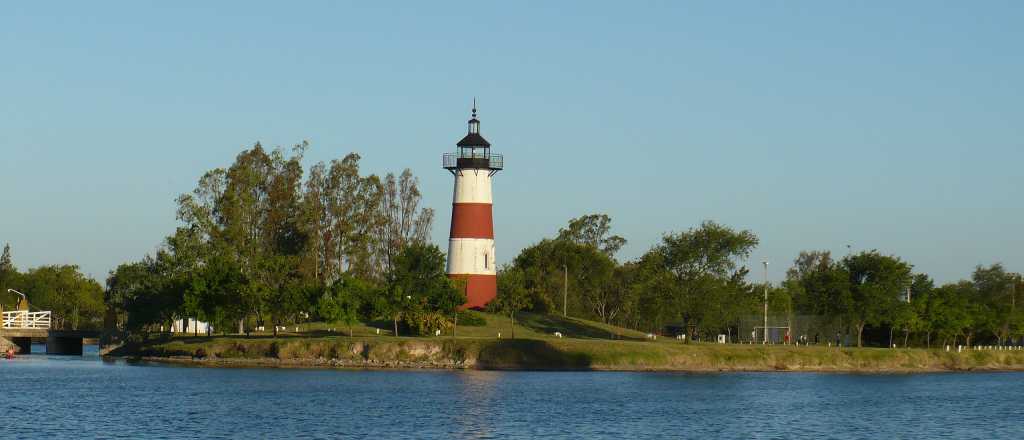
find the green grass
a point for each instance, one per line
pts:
(528, 325)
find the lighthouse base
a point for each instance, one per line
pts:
(480, 289)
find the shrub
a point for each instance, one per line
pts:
(470, 319)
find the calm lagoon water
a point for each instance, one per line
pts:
(85, 397)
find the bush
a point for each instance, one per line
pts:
(470, 319)
(426, 323)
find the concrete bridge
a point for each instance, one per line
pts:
(20, 327)
(68, 342)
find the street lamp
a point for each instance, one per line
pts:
(565, 292)
(765, 262)
(19, 293)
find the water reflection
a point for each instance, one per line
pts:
(475, 393)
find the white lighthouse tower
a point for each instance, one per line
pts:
(471, 239)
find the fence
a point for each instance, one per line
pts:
(23, 319)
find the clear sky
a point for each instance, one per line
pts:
(817, 125)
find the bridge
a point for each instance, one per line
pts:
(21, 326)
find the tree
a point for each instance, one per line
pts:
(825, 291)
(592, 293)
(654, 290)
(337, 219)
(400, 220)
(925, 306)
(951, 312)
(592, 230)
(216, 291)
(284, 292)
(807, 263)
(704, 264)
(341, 302)
(876, 282)
(420, 292)
(8, 275)
(996, 300)
(125, 285)
(904, 317)
(513, 296)
(75, 300)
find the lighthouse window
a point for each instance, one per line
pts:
(485, 261)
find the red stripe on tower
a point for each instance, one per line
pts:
(472, 220)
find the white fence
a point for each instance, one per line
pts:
(24, 319)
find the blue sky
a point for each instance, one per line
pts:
(882, 125)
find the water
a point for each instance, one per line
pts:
(84, 397)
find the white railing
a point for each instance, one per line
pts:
(23, 319)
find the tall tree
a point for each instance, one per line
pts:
(8, 275)
(216, 291)
(593, 230)
(876, 283)
(996, 299)
(704, 263)
(562, 274)
(821, 286)
(953, 313)
(340, 303)
(513, 297)
(401, 221)
(924, 303)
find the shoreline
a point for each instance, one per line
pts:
(555, 355)
(324, 364)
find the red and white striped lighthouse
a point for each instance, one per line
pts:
(471, 240)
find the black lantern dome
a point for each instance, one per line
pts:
(474, 152)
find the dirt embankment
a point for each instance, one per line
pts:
(561, 354)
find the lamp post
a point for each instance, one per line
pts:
(765, 262)
(19, 293)
(565, 292)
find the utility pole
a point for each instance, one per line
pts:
(765, 262)
(565, 292)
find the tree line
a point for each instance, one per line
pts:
(695, 282)
(263, 242)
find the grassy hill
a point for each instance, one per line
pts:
(587, 345)
(528, 326)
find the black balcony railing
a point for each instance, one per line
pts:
(488, 161)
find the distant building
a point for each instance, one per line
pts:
(191, 326)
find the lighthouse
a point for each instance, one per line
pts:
(471, 238)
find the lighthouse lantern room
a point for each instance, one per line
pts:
(471, 238)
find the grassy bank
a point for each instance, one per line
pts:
(587, 345)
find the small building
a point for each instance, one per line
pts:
(191, 326)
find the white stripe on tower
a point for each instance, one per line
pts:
(471, 243)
